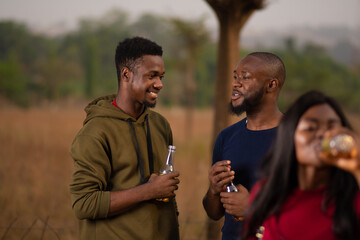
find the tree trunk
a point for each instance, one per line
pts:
(228, 52)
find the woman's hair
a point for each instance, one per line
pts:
(279, 171)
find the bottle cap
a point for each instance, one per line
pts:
(171, 147)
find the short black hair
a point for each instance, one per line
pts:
(130, 50)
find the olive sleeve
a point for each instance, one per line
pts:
(88, 187)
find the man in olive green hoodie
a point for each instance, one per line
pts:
(118, 152)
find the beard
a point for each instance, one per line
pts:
(248, 104)
(148, 104)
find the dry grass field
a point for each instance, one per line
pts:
(35, 171)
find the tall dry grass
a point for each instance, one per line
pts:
(35, 171)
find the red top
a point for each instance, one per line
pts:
(302, 217)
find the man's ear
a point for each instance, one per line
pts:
(273, 85)
(126, 74)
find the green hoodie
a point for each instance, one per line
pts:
(108, 153)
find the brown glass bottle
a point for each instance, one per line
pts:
(339, 146)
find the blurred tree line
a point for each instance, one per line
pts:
(36, 67)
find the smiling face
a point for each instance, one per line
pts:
(310, 132)
(248, 85)
(146, 81)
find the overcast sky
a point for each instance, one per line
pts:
(279, 14)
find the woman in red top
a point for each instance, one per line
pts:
(303, 192)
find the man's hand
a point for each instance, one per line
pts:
(157, 187)
(163, 186)
(219, 176)
(235, 203)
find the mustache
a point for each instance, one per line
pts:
(237, 91)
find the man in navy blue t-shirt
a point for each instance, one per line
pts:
(239, 148)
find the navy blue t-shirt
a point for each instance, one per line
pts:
(244, 148)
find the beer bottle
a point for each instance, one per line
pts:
(339, 146)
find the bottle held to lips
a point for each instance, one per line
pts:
(230, 187)
(339, 146)
(168, 167)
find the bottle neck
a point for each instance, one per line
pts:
(170, 157)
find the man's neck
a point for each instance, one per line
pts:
(263, 120)
(133, 110)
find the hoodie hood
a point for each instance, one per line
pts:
(102, 107)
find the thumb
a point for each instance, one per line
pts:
(241, 188)
(152, 176)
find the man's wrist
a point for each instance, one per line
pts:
(213, 193)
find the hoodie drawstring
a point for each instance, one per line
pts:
(149, 148)
(149, 145)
